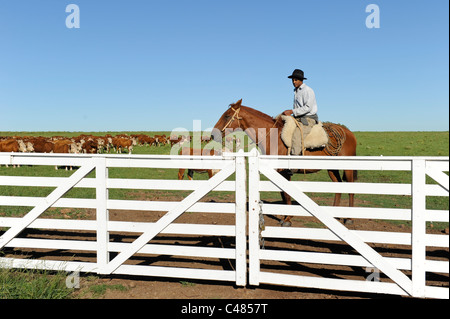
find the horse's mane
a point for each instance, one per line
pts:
(260, 114)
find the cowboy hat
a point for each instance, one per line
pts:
(297, 74)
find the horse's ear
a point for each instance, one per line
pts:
(238, 103)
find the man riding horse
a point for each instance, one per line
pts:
(305, 105)
(339, 140)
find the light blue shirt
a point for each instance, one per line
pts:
(304, 101)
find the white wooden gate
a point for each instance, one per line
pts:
(365, 256)
(102, 225)
(405, 275)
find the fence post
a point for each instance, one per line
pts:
(418, 234)
(101, 176)
(241, 219)
(253, 217)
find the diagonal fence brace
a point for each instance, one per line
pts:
(46, 203)
(169, 217)
(339, 230)
(439, 177)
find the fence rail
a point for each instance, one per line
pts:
(404, 273)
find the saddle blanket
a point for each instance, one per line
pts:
(292, 137)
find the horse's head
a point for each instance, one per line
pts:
(230, 120)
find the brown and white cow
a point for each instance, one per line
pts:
(199, 152)
(120, 143)
(13, 145)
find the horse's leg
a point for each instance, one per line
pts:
(286, 198)
(286, 220)
(349, 176)
(181, 173)
(335, 177)
(190, 174)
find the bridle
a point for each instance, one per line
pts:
(238, 118)
(234, 117)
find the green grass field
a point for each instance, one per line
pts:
(369, 144)
(403, 143)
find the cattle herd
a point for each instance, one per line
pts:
(88, 144)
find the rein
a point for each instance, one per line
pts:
(265, 137)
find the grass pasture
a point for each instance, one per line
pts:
(369, 144)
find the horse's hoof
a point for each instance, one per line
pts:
(286, 224)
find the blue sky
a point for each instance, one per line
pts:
(158, 65)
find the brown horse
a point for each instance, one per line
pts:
(258, 125)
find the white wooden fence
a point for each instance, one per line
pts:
(404, 276)
(103, 246)
(365, 255)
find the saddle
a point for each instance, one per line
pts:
(293, 137)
